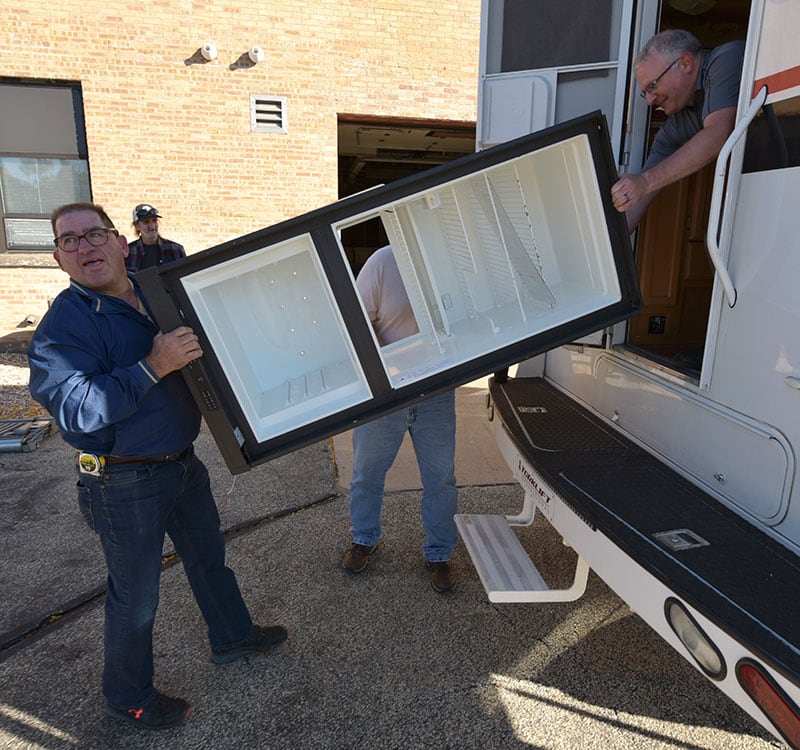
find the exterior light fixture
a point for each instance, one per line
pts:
(770, 698)
(700, 646)
(209, 51)
(256, 54)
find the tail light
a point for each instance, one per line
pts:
(700, 646)
(771, 699)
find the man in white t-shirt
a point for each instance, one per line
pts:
(432, 425)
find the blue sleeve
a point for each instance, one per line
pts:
(73, 374)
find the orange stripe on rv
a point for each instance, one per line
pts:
(786, 79)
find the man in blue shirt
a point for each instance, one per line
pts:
(111, 380)
(150, 249)
(698, 91)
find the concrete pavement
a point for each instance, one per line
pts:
(374, 660)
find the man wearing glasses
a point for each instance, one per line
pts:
(111, 380)
(698, 90)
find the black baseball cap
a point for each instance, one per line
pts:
(145, 211)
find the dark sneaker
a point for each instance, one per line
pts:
(262, 641)
(357, 557)
(442, 576)
(162, 712)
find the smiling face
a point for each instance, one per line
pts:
(101, 269)
(676, 83)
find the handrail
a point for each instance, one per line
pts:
(717, 193)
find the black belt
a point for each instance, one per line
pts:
(90, 463)
(143, 459)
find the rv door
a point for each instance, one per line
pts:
(543, 63)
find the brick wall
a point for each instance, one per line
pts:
(166, 128)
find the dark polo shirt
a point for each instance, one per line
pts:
(717, 87)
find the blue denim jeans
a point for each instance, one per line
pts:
(131, 507)
(432, 425)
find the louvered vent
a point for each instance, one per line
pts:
(267, 114)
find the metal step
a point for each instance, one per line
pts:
(505, 568)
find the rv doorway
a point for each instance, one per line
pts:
(675, 274)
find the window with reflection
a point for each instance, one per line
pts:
(43, 161)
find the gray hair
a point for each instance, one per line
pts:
(670, 43)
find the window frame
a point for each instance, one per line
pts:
(24, 151)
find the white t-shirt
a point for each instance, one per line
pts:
(381, 287)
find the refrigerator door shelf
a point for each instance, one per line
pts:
(504, 254)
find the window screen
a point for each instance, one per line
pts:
(529, 42)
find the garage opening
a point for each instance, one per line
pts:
(376, 151)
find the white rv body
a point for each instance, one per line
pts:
(730, 423)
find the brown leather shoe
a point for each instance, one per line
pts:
(357, 557)
(443, 578)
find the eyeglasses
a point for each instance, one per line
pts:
(69, 243)
(653, 85)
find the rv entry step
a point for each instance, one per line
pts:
(506, 570)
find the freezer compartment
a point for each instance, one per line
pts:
(493, 258)
(278, 336)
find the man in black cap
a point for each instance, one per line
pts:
(150, 249)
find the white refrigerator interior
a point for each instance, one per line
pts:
(273, 323)
(495, 257)
(488, 260)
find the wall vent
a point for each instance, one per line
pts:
(268, 114)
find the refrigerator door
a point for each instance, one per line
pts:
(503, 254)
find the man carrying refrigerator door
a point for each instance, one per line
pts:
(432, 425)
(111, 380)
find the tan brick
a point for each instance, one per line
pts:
(178, 135)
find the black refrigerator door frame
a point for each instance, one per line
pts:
(208, 383)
